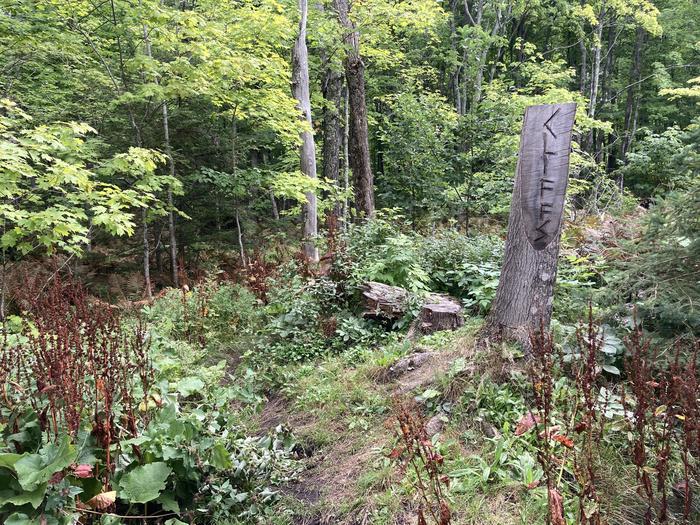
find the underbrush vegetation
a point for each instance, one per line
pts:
(231, 403)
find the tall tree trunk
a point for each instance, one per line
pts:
(524, 299)
(332, 129)
(595, 72)
(346, 154)
(363, 180)
(632, 87)
(583, 72)
(175, 274)
(300, 88)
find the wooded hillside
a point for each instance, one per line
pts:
(349, 261)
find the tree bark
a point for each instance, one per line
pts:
(332, 129)
(363, 179)
(346, 154)
(440, 313)
(300, 89)
(146, 257)
(175, 275)
(595, 72)
(524, 298)
(244, 262)
(632, 99)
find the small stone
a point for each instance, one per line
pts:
(435, 425)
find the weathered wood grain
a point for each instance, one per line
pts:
(544, 170)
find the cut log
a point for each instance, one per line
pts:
(441, 312)
(382, 300)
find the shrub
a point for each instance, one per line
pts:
(211, 314)
(379, 251)
(88, 431)
(657, 273)
(465, 267)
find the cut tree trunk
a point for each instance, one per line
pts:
(384, 301)
(523, 302)
(440, 313)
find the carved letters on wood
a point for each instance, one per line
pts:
(544, 169)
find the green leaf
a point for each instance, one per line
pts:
(36, 469)
(8, 460)
(144, 483)
(189, 385)
(220, 457)
(168, 502)
(32, 497)
(20, 519)
(611, 369)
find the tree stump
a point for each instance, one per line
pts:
(384, 301)
(441, 312)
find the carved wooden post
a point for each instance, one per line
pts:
(525, 291)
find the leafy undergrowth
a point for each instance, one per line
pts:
(479, 426)
(283, 404)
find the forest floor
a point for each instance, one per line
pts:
(342, 415)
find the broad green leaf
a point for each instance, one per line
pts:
(168, 502)
(220, 457)
(8, 460)
(144, 483)
(189, 385)
(24, 497)
(35, 469)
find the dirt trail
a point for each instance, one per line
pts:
(328, 481)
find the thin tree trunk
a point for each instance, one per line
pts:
(583, 72)
(363, 179)
(301, 90)
(332, 139)
(346, 159)
(175, 275)
(631, 103)
(244, 262)
(273, 200)
(146, 257)
(595, 72)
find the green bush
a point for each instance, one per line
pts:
(465, 267)
(212, 314)
(379, 251)
(139, 427)
(655, 275)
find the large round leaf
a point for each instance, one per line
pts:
(144, 483)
